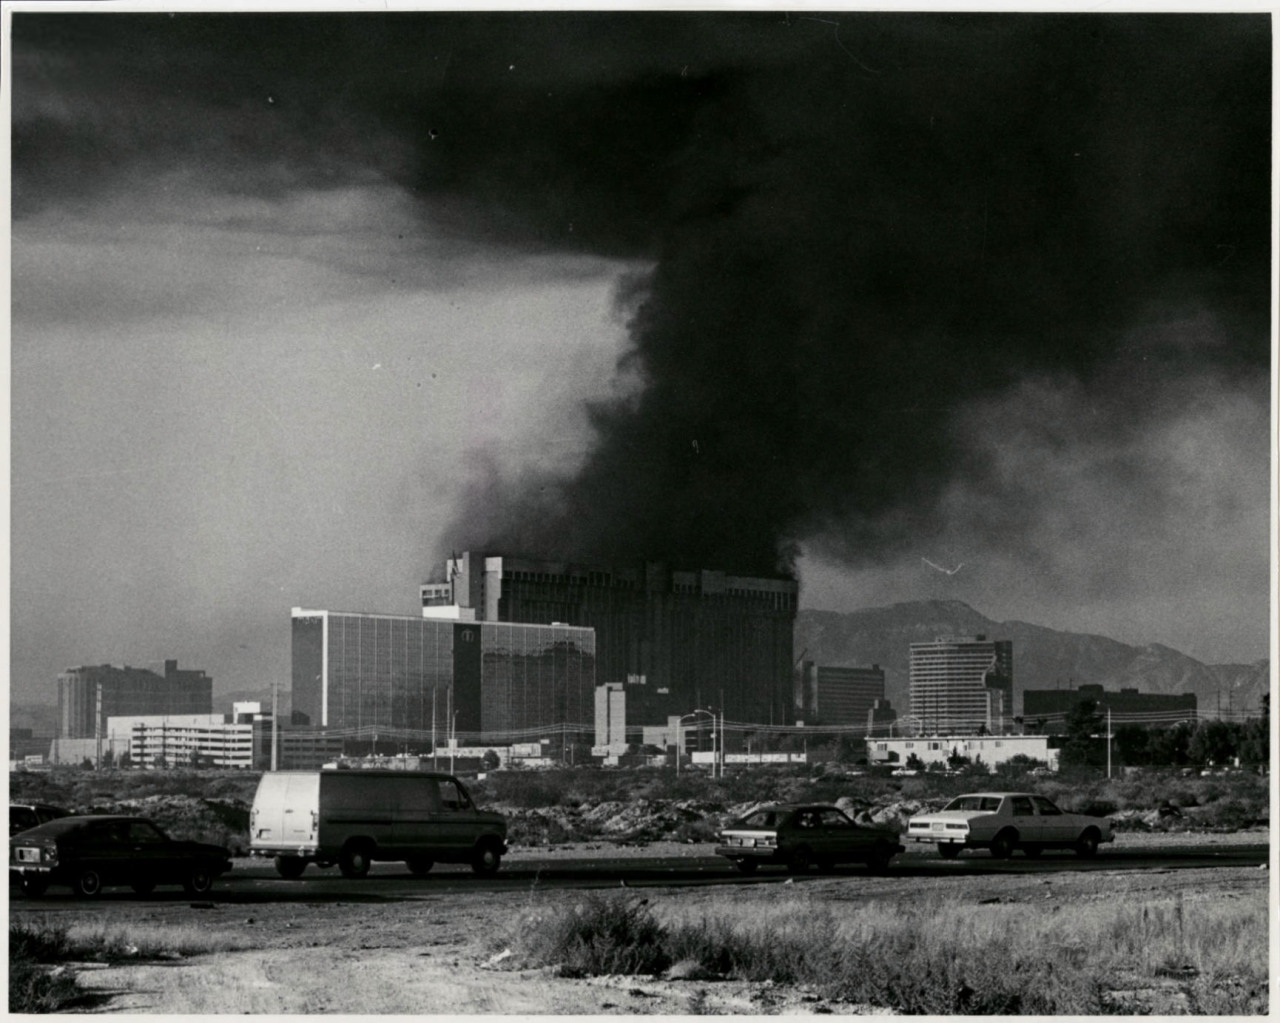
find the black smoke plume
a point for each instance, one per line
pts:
(860, 225)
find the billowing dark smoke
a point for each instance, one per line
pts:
(859, 226)
(863, 224)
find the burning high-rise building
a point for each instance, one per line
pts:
(677, 639)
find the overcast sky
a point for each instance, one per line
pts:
(300, 304)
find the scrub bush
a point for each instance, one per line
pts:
(603, 935)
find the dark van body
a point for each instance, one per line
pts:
(356, 817)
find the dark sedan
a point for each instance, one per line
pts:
(801, 836)
(90, 853)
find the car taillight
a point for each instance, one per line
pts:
(315, 819)
(957, 827)
(769, 841)
(51, 854)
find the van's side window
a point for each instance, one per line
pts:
(452, 797)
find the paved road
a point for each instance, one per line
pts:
(255, 881)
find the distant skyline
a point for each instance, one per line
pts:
(917, 305)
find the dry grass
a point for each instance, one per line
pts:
(39, 980)
(937, 958)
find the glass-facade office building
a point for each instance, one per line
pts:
(364, 672)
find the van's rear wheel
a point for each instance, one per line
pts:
(290, 867)
(486, 859)
(354, 860)
(419, 866)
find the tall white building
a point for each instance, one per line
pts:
(961, 685)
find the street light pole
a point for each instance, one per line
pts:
(680, 737)
(1108, 742)
(275, 721)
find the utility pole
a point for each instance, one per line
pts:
(720, 757)
(275, 720)
(434, 764)
(97, 725)
(1108, 742)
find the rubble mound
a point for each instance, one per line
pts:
(639, 820)
(218, 821)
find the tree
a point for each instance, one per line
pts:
(1213, 742)
(490, 761)
(1082, 723)
(1168, 746)
(1018, 765)
(914, 763)
(1085, 719)
(1255, 742)
(849, 748)
(1132, 745)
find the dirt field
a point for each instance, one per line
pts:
(444, 955)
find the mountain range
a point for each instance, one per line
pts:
(1043, 658)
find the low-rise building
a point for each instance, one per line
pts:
(991, 750)
(1126, 705)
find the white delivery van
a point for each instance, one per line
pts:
(353, 818)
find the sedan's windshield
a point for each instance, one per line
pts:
(988, 804)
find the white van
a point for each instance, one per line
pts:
(352, 818)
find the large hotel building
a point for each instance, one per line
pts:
(677, 639)
(961, 685)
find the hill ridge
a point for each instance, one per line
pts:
(1043, 657)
